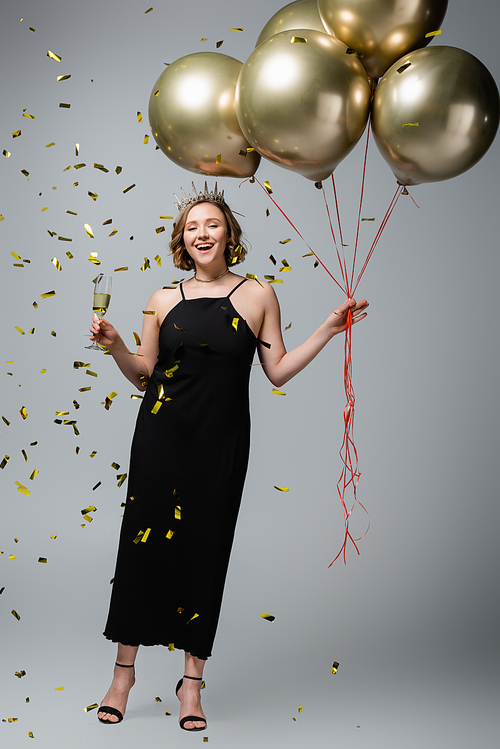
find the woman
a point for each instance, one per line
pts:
(190, 448)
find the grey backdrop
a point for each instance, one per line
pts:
(413, 621)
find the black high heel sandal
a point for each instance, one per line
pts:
(189, 717)
(113, 710)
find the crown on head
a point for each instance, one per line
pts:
(210, 196)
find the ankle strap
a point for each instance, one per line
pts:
(194, 678)
(124, 665)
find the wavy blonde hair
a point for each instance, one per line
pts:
(235, 247)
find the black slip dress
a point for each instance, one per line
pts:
(188, 464)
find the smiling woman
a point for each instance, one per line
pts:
(183, 497)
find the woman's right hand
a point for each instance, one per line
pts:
(103, 333)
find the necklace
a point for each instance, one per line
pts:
(209, 280)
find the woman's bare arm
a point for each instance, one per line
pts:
(278, 364)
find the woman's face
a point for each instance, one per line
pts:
(205, 234)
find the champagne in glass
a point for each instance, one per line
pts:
(101, 300)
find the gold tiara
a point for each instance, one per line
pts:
(210, 196)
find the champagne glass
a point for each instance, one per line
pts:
(101, 300)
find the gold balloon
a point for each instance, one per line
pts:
(302, 14)
(382, 31)
(192, 116)
(436, 117)
(303, 104)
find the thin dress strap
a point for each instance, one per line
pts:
(236, 287)
(182, 291)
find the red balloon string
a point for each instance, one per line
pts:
(350, 474)
(300, 235)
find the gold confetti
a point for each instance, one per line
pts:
(56, 262)
(116, 466)
(128, 188)
(165, 217)
(78, 166)
(235, 323)
(93, 454)
(138, 537)
(47, 294)
(93, 195)
(64, 239)
(411, 124)
(433, 33)
(219, 44)
(158, 260)
(59, 689)
(236, 29)
(90, 707)
(170, 535)
(2, 218)
(20, 674)
(160, 229)
(16, 133)
(335, 666)
(101, 167)
(268, 187)
(177, 513)
(53, 56)
(13, 720)
(267, 617)
(367, 219)
(146, 140)
(118, 169)
(282, 488)
(14, 613)
(42, 560)
(80, 365)
(205, 739)
(300, 708)
(139, 117)
(298, 40)
(19, 330)
(146, 264)
(72, 213)
(404, 67)
(5, 460)
(195, 616)
(285, 241)
(156, 407)
(29, 116)
(89, 372)
(63, 105)
(149, 11)
(89, 231)
(145, 535)
(11, 556)
(63, 78)
(218, 158)
(93, 258)
(287, 327)
(6, 153)
(23, 412)
(25, 455)
(49, 145)
(278, 392)
(152, 312)
(157, 699)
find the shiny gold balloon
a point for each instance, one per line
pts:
(302, 102)
(382, 31)
(435, 114)
(302, 14)
(193, 120)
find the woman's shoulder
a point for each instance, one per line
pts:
(162, 300)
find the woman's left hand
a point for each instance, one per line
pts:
(337, 320)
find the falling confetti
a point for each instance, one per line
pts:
(53, 56)
(268, 617)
